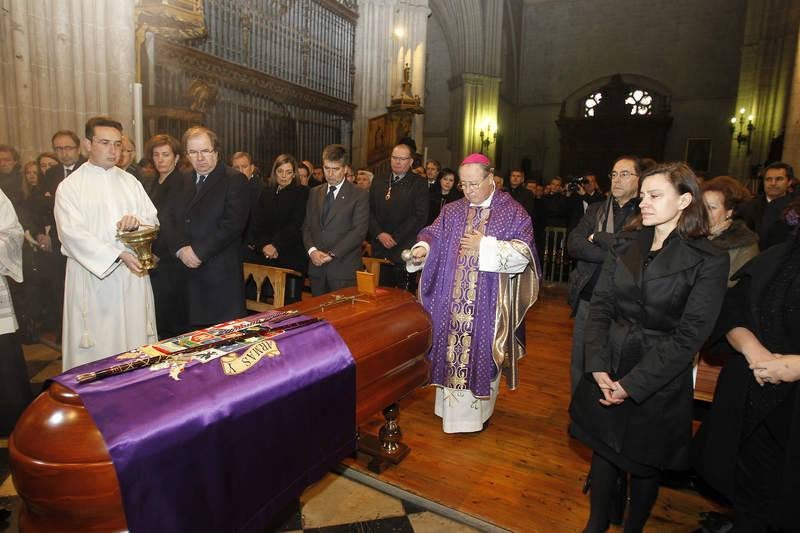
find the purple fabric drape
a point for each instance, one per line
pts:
(220, 452)
(506, 221)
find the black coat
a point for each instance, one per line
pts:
(717, 442)
(766, 219)
(524, 197)
(590, 255)
(279, 222)
(212, 222)
(644, 328)
(437, 200)
(168, 279)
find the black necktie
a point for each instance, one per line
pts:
(68, 171)
(328, 203)
(200, 180)
(396, 178)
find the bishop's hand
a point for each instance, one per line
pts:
(472, 241)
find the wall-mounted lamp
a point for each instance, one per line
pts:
(744, 133)
(399, 32)
(487, 137)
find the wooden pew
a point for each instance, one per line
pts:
(276, 277)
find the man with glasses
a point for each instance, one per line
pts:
(108, 299)
(203, 224)
(337, 216)
(479, 278)
(67, 147)
(398, 210)
(589, 243)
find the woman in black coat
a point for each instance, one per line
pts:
(279, 219)
(167, 279)
(748, 447)
(444, 191)
(658, 295)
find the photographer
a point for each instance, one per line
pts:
(584, 191)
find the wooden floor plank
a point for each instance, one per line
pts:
(523, 473)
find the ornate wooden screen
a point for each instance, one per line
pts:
(271, 76)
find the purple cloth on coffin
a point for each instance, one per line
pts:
(508, 220)
(217, 452)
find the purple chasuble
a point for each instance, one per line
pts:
(461, 300)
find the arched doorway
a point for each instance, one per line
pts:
(623, 114)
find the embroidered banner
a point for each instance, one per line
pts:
(221, 439)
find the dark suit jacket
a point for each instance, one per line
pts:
(211, 221)
(524, 197)
(402, 217)
(50, 182)
(644, 328)
(762, 217)
(342, 231)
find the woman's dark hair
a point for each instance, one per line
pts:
(734, 192)
(693, 221)
(444, 172)
(281, 160)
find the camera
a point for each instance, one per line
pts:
(575, 182)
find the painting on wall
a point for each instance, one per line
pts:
(380, 139)
(698, 154)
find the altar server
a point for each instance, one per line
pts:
(108, 301)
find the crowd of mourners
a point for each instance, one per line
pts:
(666, 265)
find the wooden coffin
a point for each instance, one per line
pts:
(61, 466)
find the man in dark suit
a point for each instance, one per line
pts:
(519, 192)
(764, 214)
(67, 147)
(337, 217)
(398, 210)
(203, 226)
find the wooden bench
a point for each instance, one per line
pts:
(276, 277)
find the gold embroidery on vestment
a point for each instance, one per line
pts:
(462, 306)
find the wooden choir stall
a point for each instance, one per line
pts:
(61, 465)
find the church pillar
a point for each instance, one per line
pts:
(61, 63)
(768, 53)
(791, 141)
(474, 104)
(389, 35)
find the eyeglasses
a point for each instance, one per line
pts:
(197, 153)
(398, 158)
(470, 186)
(624, 174)
(64, 148)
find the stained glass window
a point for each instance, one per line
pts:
(590, 103)
(640, 101)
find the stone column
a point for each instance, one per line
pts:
(474, 102)
(379, 59)
(62, 62)
(768, 53)
(791, 140)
